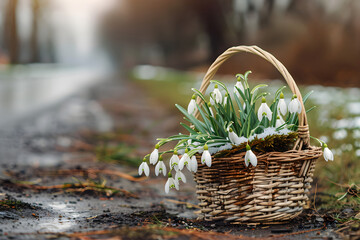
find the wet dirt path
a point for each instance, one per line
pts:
(71, 173)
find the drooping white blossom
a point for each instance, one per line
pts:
(279, 121)
(264, 110)
(160, 168)
(180, 176)
(226, 98)
(144, 168)
(328, 155)
(154, 156)
(185, 159)
(192, 105)
(282, 108)
(211, 111)
(234, 138)
(174, 161)
(250, 157)
(206, 156)
(193, 164)
(295, 105)
(240, 86)
(171, 183)
(216, 96)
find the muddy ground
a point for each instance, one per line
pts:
(70, 173)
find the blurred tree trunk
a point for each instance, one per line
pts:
(11, 35)
(212, 19)
(34, 50)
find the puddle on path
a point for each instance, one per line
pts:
(65, 220)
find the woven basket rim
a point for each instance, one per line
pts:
(310, 147)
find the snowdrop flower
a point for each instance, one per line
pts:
(282, 108)
(185, 159)
(250, 157)
(328, 155)
(295, 105)
(264, 110)
(192, 105)
(211, 111)
(225, 98)
(154, 156)
(174, 161)
(206, 156)
(234, 138)
(144, 168)
(193, 164)
(171, 183)
(180, 176)
(216, 95)
(160, 167)
(239, 86)
(279, 121)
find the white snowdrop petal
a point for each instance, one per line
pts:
(146, 169)
(163, 166)
(154, 156)
(234, 138)
(217, 95)
(240, 86)
(247, 158)
(282, 108)
(268, 112)
(203, 157)
(252, 158)
(188, 166)
(295, 106)
(180, 176)
(208, 160)
(328, 155)
(174, 162)
(167, 186)
(157, 168)
(181, 163)
(141, 168)
(260, 112)
(176, 184)
(225, 101)
(194, 164)
(192, 106)
(184, 160)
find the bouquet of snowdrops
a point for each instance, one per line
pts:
(229, 122)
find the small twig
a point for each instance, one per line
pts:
(182, 203)
(296, 233)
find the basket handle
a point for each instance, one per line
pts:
(303, 130)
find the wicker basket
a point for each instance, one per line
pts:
(272, 192)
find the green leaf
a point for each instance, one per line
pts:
(310, 109)
(305, 98)
(247, 74)
(199, 94)
(206, 120)
(257, 87)
(189, 129)
(198, 125)
(221, 84)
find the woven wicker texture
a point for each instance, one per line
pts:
(272, 192)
